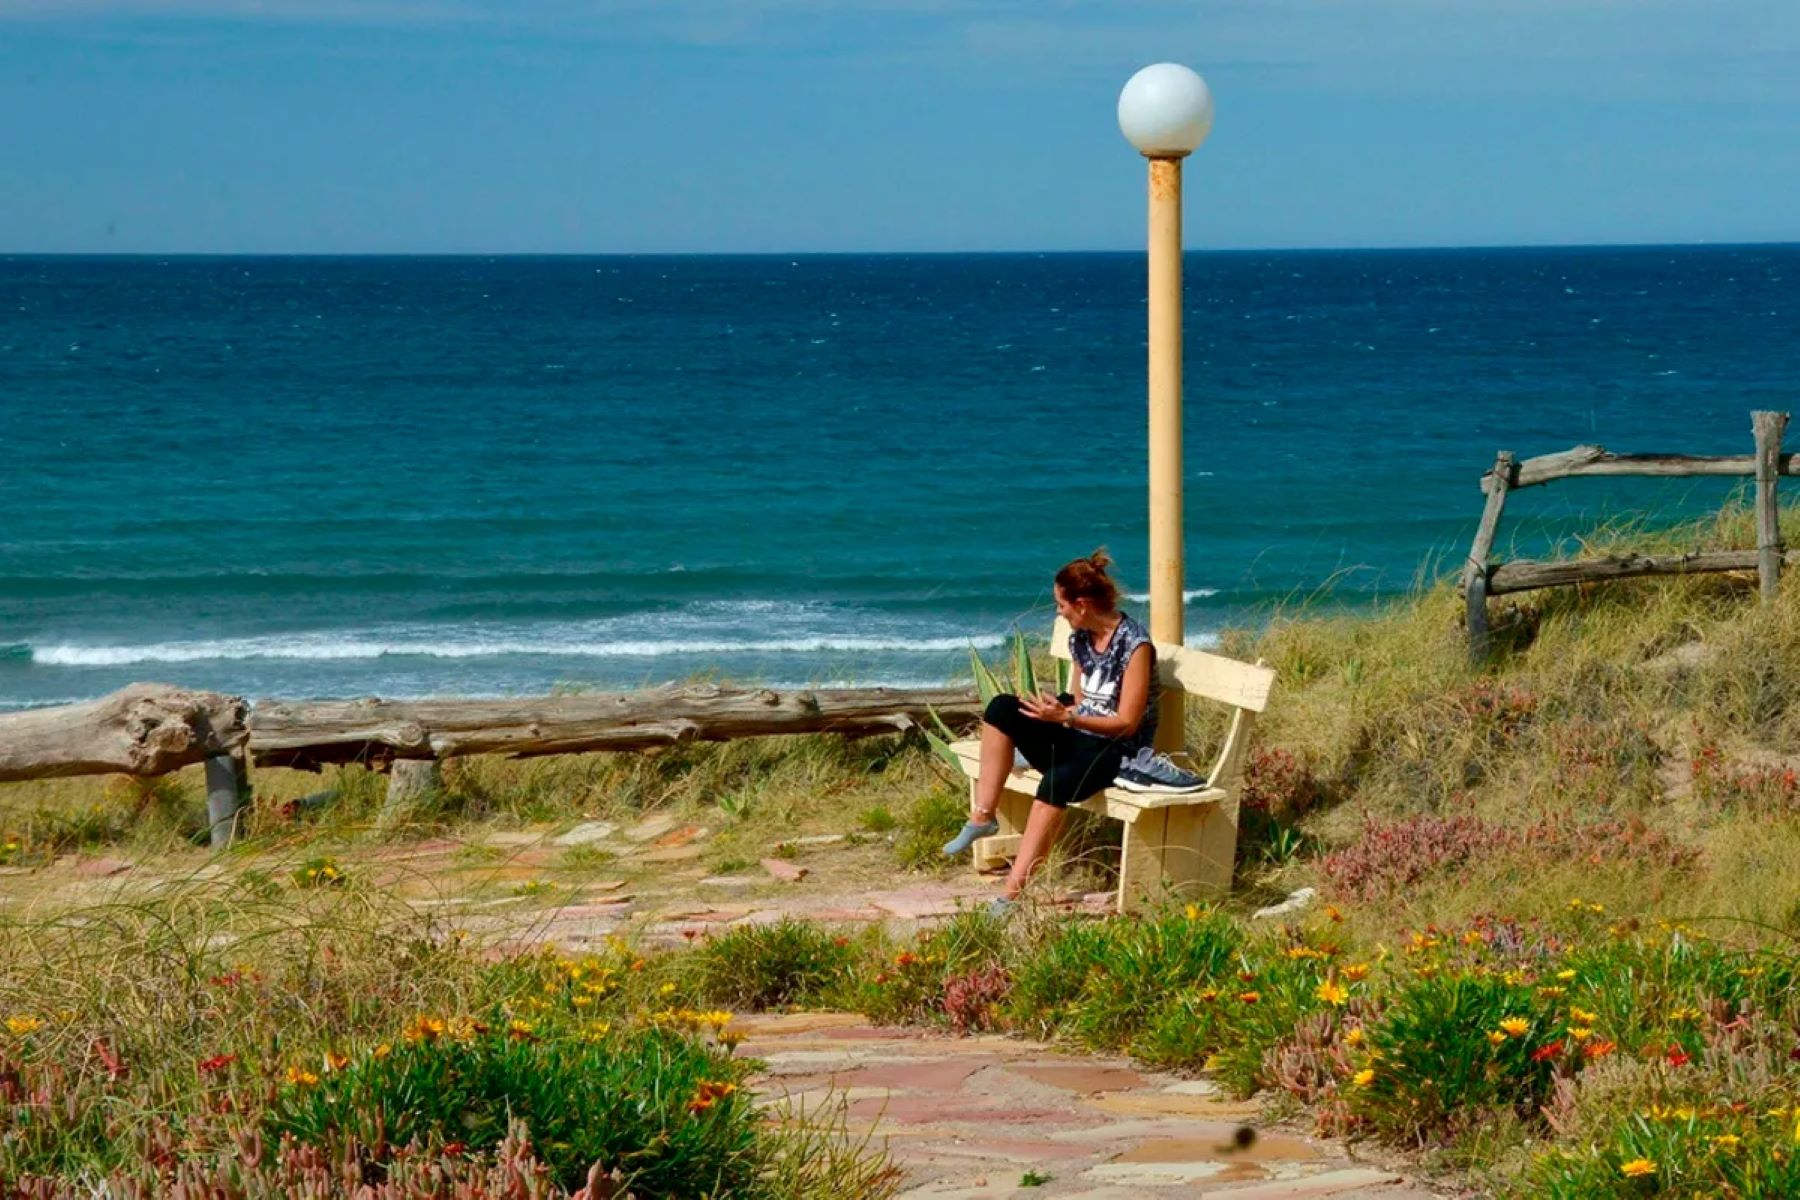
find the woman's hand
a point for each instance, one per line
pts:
(1045, 708)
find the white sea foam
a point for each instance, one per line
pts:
(327, 648)
(1187, 597)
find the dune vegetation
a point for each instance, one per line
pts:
(1552, 949)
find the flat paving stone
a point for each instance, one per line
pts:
(1328, 1183)
(1080, 1077)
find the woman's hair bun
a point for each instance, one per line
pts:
(1087, 579)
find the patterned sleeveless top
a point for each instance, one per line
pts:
(1103, 676)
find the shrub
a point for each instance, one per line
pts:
(1099, 984)
(931, 821)
(663, 1109)
(772, 966)
(1449, 1052)
(1386, 859)
(1278, 783)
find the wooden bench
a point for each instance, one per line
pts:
(1174, 844)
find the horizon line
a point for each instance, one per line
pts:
(1188, 250)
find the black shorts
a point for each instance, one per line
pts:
(1075, 765)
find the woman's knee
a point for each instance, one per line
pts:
(1003, 712)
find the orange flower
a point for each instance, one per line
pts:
(1547, 1051)
(1250, 997)
(1598, 1049)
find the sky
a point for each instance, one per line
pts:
(632, 126)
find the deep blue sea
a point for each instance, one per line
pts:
(428, 476)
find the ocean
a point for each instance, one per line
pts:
(294, 477)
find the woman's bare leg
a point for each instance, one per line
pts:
(1041, 829)
(996, 765)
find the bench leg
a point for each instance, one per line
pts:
(1141, 861)
(1200, 849)
(1013, 811)
(1180, 851)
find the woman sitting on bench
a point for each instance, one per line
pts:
(1079, 741)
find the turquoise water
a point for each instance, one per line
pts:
(405, 476)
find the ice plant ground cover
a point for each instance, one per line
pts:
(1553, 949)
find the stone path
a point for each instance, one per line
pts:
(994, 1117)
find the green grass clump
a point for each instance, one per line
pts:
(662, 1108)
(765, 967)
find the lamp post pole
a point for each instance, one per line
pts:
(1166, 111)
(1166, 559)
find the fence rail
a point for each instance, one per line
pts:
(1482, 578)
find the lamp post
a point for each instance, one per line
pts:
(1166, 111)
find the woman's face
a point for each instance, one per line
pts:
(1075, 612)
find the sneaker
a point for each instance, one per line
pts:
(970, 832)
(1148, 771)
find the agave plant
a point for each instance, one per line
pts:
(989, 683)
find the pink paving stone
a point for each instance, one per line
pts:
(942, 1075)
(909, 1109)
(912, 908)
(101, 868)
(580, 912)
(845, 914)
(1030, 1150)
(430, 848)
(1080, 1077)
(860, 1033)
(680, 837)
(1331, 1183)
(783, 870)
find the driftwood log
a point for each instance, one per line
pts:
(151, 729)
(311, 734)
(144, 729)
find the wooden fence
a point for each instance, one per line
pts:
(152, 729)
(1482, 579)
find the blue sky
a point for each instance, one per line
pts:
(840, 125)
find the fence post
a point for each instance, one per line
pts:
(227, 779)
(1768, 427)
(1475, 569)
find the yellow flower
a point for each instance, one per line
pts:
(22, 1025)
(1497, 1037)
(1356, 972)
(301, 1077)
(1582, 1016)
(335, 1061)
(582, 1001)
(1552, 992)
(1727, 1142)
(1685, 1014)
(1365, 1077)
(666, 989)
(1332, 993)
(1637, 1167)
(1566, 976)
(1354, 1037)
(1580, 1033)
(1192, 912)
(382, 1051)
(1515, 1026)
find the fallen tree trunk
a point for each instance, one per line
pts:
(144, 729)
(313, 733)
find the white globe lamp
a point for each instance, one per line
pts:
(1166, 110)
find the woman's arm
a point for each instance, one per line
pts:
(1134, 699)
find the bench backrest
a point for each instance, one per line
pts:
(1196, 672)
